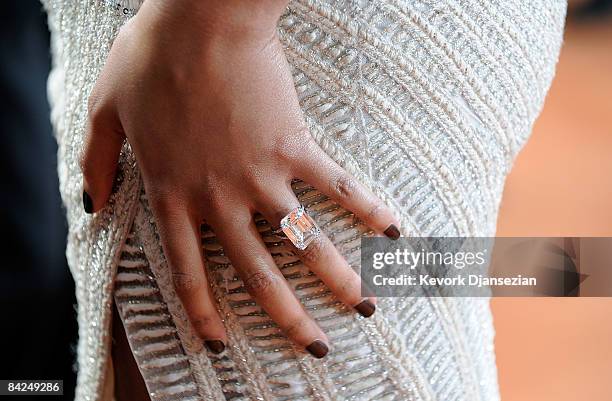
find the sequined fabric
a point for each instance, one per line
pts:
(425, 102)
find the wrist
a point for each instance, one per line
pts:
(229, 19)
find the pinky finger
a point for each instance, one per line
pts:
(320, 170)
(180, 239)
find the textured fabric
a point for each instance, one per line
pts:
(425, 102)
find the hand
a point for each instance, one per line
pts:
(207, 103)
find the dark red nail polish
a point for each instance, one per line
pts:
(87, 203)
(215, 346)
(392, 232)
(365, 308)
(318, 349)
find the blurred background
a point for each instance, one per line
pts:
(561, 185)
(38, 329)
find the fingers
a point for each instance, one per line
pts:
(180, 239)
(321, 171)
(266, 284)
(99, 161)
(324, 260)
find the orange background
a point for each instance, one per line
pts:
(561, 185)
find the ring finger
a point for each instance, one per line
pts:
(321, 256)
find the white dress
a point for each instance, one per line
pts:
(425, 102)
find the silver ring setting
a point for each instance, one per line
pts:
(300, 228)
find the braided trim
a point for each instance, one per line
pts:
(455, 335)
(477, 95)
(323, 388)
(245, 360)
(462, 68)
(405, 136)
(509, 31)
(489, 53)
(401, 364)
(348, 162)
(483, 95)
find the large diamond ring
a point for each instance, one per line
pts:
(300, 228)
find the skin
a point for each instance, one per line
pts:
(203, 93)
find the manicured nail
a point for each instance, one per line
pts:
(87, 203)
(365, 308)
(215, 346)
(318, 349)
(392, 232)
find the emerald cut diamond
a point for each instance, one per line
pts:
(300, 228)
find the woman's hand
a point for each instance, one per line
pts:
(205, 97)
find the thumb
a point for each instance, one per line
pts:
(101, 154)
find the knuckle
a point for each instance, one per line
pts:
(375, 211)
(289, 148)
(166, 200)
(302, 133)
(254, 176)
(214, 202)
(186, 283)
(343, 186)
(202, 322)
(163, 178)
(217, 199)
(351, 288)
(285, 149)
(295, 327)
(261, 283)
(313, 251)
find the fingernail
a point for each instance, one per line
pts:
(215, 346)
(365, 308)
(87, 203)
(318, 349)
(392, 232)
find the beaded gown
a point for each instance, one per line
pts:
(425, 102)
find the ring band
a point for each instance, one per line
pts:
(299, 228)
